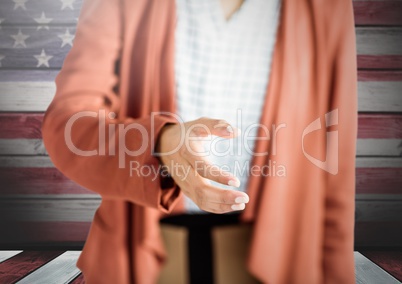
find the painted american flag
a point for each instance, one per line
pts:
(36, 35)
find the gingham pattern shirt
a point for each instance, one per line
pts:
(222, 70)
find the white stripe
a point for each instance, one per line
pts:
(379, 41)
(26, 96)
(367, 272)
(45, 162)
(60, 270)
(374, 96)
(365, 162)
(379, 147)
(22, 147)
(25, 162)
(365, 147)
(6, 254)
(380, 96)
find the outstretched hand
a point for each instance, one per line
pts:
(180, 146)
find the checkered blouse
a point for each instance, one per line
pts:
(222, 70)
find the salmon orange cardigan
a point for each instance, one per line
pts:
(303, 223)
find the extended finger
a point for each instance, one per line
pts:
(207, 193)
(209, 171)
(220, 208)
(225, 196)
(215, 173)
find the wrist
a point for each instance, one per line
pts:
(158, 145)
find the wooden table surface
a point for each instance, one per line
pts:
(372, 267)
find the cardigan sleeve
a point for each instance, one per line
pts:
(340, 193)
(82, 131)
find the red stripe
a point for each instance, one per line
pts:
(79, 280)
(390, 261)
(24, 263)
(380, 126)
(21, 125)
(377, 12)
(38, 181)
(51, 181)
(26, 125)
(373, 75)
(379, 61)
(379, 180)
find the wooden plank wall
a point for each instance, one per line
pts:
(47, 208)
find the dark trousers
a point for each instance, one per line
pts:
(200, 241)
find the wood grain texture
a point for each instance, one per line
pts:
(370, 41)
(62, 269)
(14, 96)
(368, 272)
(379, 75)
(367, 234)
(378, 125)
(79, 280)
(44, 234)
(379, 62)
(377, 12)
(48, 210)
(370, 162)
(374, 147)
(82, 210)
(373, 96)
(365, 147)
(365, 12)
(21, 125)
(45, 75)
(6, 254)
(378, 234)
(24, 263)
(377, 210)
(36, 75)
(379, 180)
(25, 147)
(380, 96)
(371, 125)
(29, 181)
(54, 9)
(38, 181)
(21, 57)
(390, 261)
(379, 41)
(25, 162)
(45, 162)
(365, 265)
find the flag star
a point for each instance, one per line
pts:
(1, 58)
(42, 21)
(43, 59)
(67, 38)
(67, 3)
(20, 39)
(20, 3)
